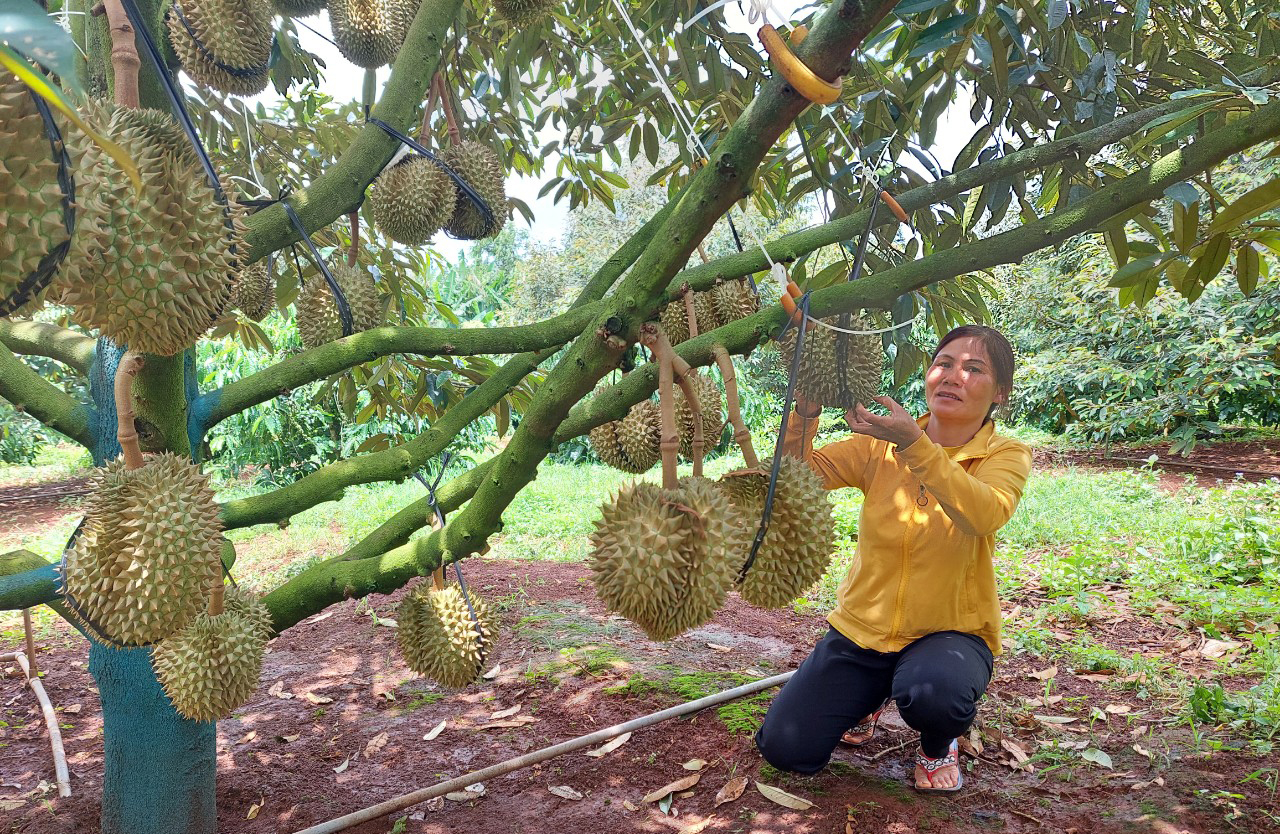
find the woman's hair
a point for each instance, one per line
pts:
(999, 351)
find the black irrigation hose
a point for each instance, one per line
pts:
(462, 184)
(33, 284)
(767, 513)
(235, 72)
(344, 311)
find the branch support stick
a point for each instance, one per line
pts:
(126, 429)
(125, 62)
(740, 433)
(31, 642)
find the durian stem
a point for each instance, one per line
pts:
(430, 110)
(354, 250)
(455, 133)
(670, 442)
(685, 375)
(690, 312)
(126, 430)
(216, 598)
(740, 433)
(124, 55)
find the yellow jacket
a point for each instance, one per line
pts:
(925, 534)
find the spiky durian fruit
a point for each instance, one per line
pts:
(711, 405)
(254, 292)
(837, 369)
(298, 8)
(439, 638)
(412, 200)
(798, 545)
(664, 559)
(157, 270)
(224, 44)
(212, 665)
(478, 166)
(317, 313)
(362, 296)
(733, 300)
(34, 200)
(369, 32)
(522, 14)
(632, 443)
(675, 321)
(248, 605)
(149, 551)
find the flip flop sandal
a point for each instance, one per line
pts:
(863, 732)
(932, 766)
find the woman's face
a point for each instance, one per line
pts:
(960, 385)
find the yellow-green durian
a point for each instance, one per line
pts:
(299, 8)
(733, 300)
(412, 200)
(799, 542)
(665, 559)
(478, 166)
(362, 296)
(317, 313)
(149, 550)
(223, 44)
(156, 271)
(826, 352)
(712, 408)
(254, 293)
(369, 32)
(212, 665)
(632, 443)
(522, 14)
(438, 637)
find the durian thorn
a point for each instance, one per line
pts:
(455, 133)
(741, 434)
(124, 55)
(354, 250)
(126, 430)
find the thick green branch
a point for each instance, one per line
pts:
(334, 357)
(38, 338)
(49, 404)
(342, 187)
(26, 580)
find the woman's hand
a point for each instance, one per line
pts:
(899, 427)
(806, 408)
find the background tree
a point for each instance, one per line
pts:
(1090, 118)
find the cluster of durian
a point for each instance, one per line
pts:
(148, 552)
(319, 320)
(522, 14)
(412, 199)
(34, 200)
(211, 666)
(151, 269)
(723, 304)
(632, 444)
(223, 44)
(665, 559)
(478, 166)
(438, 637)
(797, 547)
(369, 33)
(821, 379)
(254, 291)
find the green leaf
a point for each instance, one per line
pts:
(1248, 206)
(1186, 224)
(1141, 11)
(1098, 757)
(1117, 245)
(26, 28)
(1211, 260)
(1058, 11)
(971, 208)
(1248, 266)
(917, 6)
(1182, 192)
(1132, 272)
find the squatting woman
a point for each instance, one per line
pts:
(917, 619)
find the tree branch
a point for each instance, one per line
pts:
(43, 400)
(318, 363)
(26, 580)
(38, 338)
(342, 187)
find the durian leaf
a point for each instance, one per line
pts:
(41, 86)
(27, 29)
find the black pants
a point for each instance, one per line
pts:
(936, 681)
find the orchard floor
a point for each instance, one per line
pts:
(338, 723)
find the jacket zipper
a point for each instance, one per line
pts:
(921, 500)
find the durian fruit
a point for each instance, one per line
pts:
(33, 199)
(212, 665)
(665, 559)
(362, 296)
(254, 292)
(712, 407)
(224, 44)
(632, 443)
(675, 317)
(438, 637)
(798, 545)
(368, 33)
(149, 551)
(522, 14)
(412, 200)
(820, 379)
(478, 166)
(298, 8)
(319, 321)
(733, 300)
(154, 268)
(246, 604)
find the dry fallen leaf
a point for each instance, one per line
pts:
(716, 647)
(249, 736)
(1044, 674)
(435, 803)
(1142, 751)
(518, 721)
(1217, 648)
(467, 794)
(1016, 750)
(1118, 709)
(675, 787)
(375, 744)
(255, 808)
(609, 746)
(342, 767)
(435, 731)
(492, 673)
(629, 805)
(317, 618)
(277, 689)
(694, 764)
(781, 797)
(318, 699)
(11, 804)
(73, 709)
(1096, 677)
(565, 792)
(505, 713)
(731, 790)
(288, 739)
(1054, 719)
(698, 827)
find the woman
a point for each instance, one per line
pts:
(917, 618)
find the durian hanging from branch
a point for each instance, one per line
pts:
(319, 318)
(480, 209)
(369, 33)
(223, 44)
(413, 197)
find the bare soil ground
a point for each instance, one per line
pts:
(338, 723)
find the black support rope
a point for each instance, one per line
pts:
(344, 310)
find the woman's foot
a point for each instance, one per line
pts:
(941, 775)
(862, 732)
